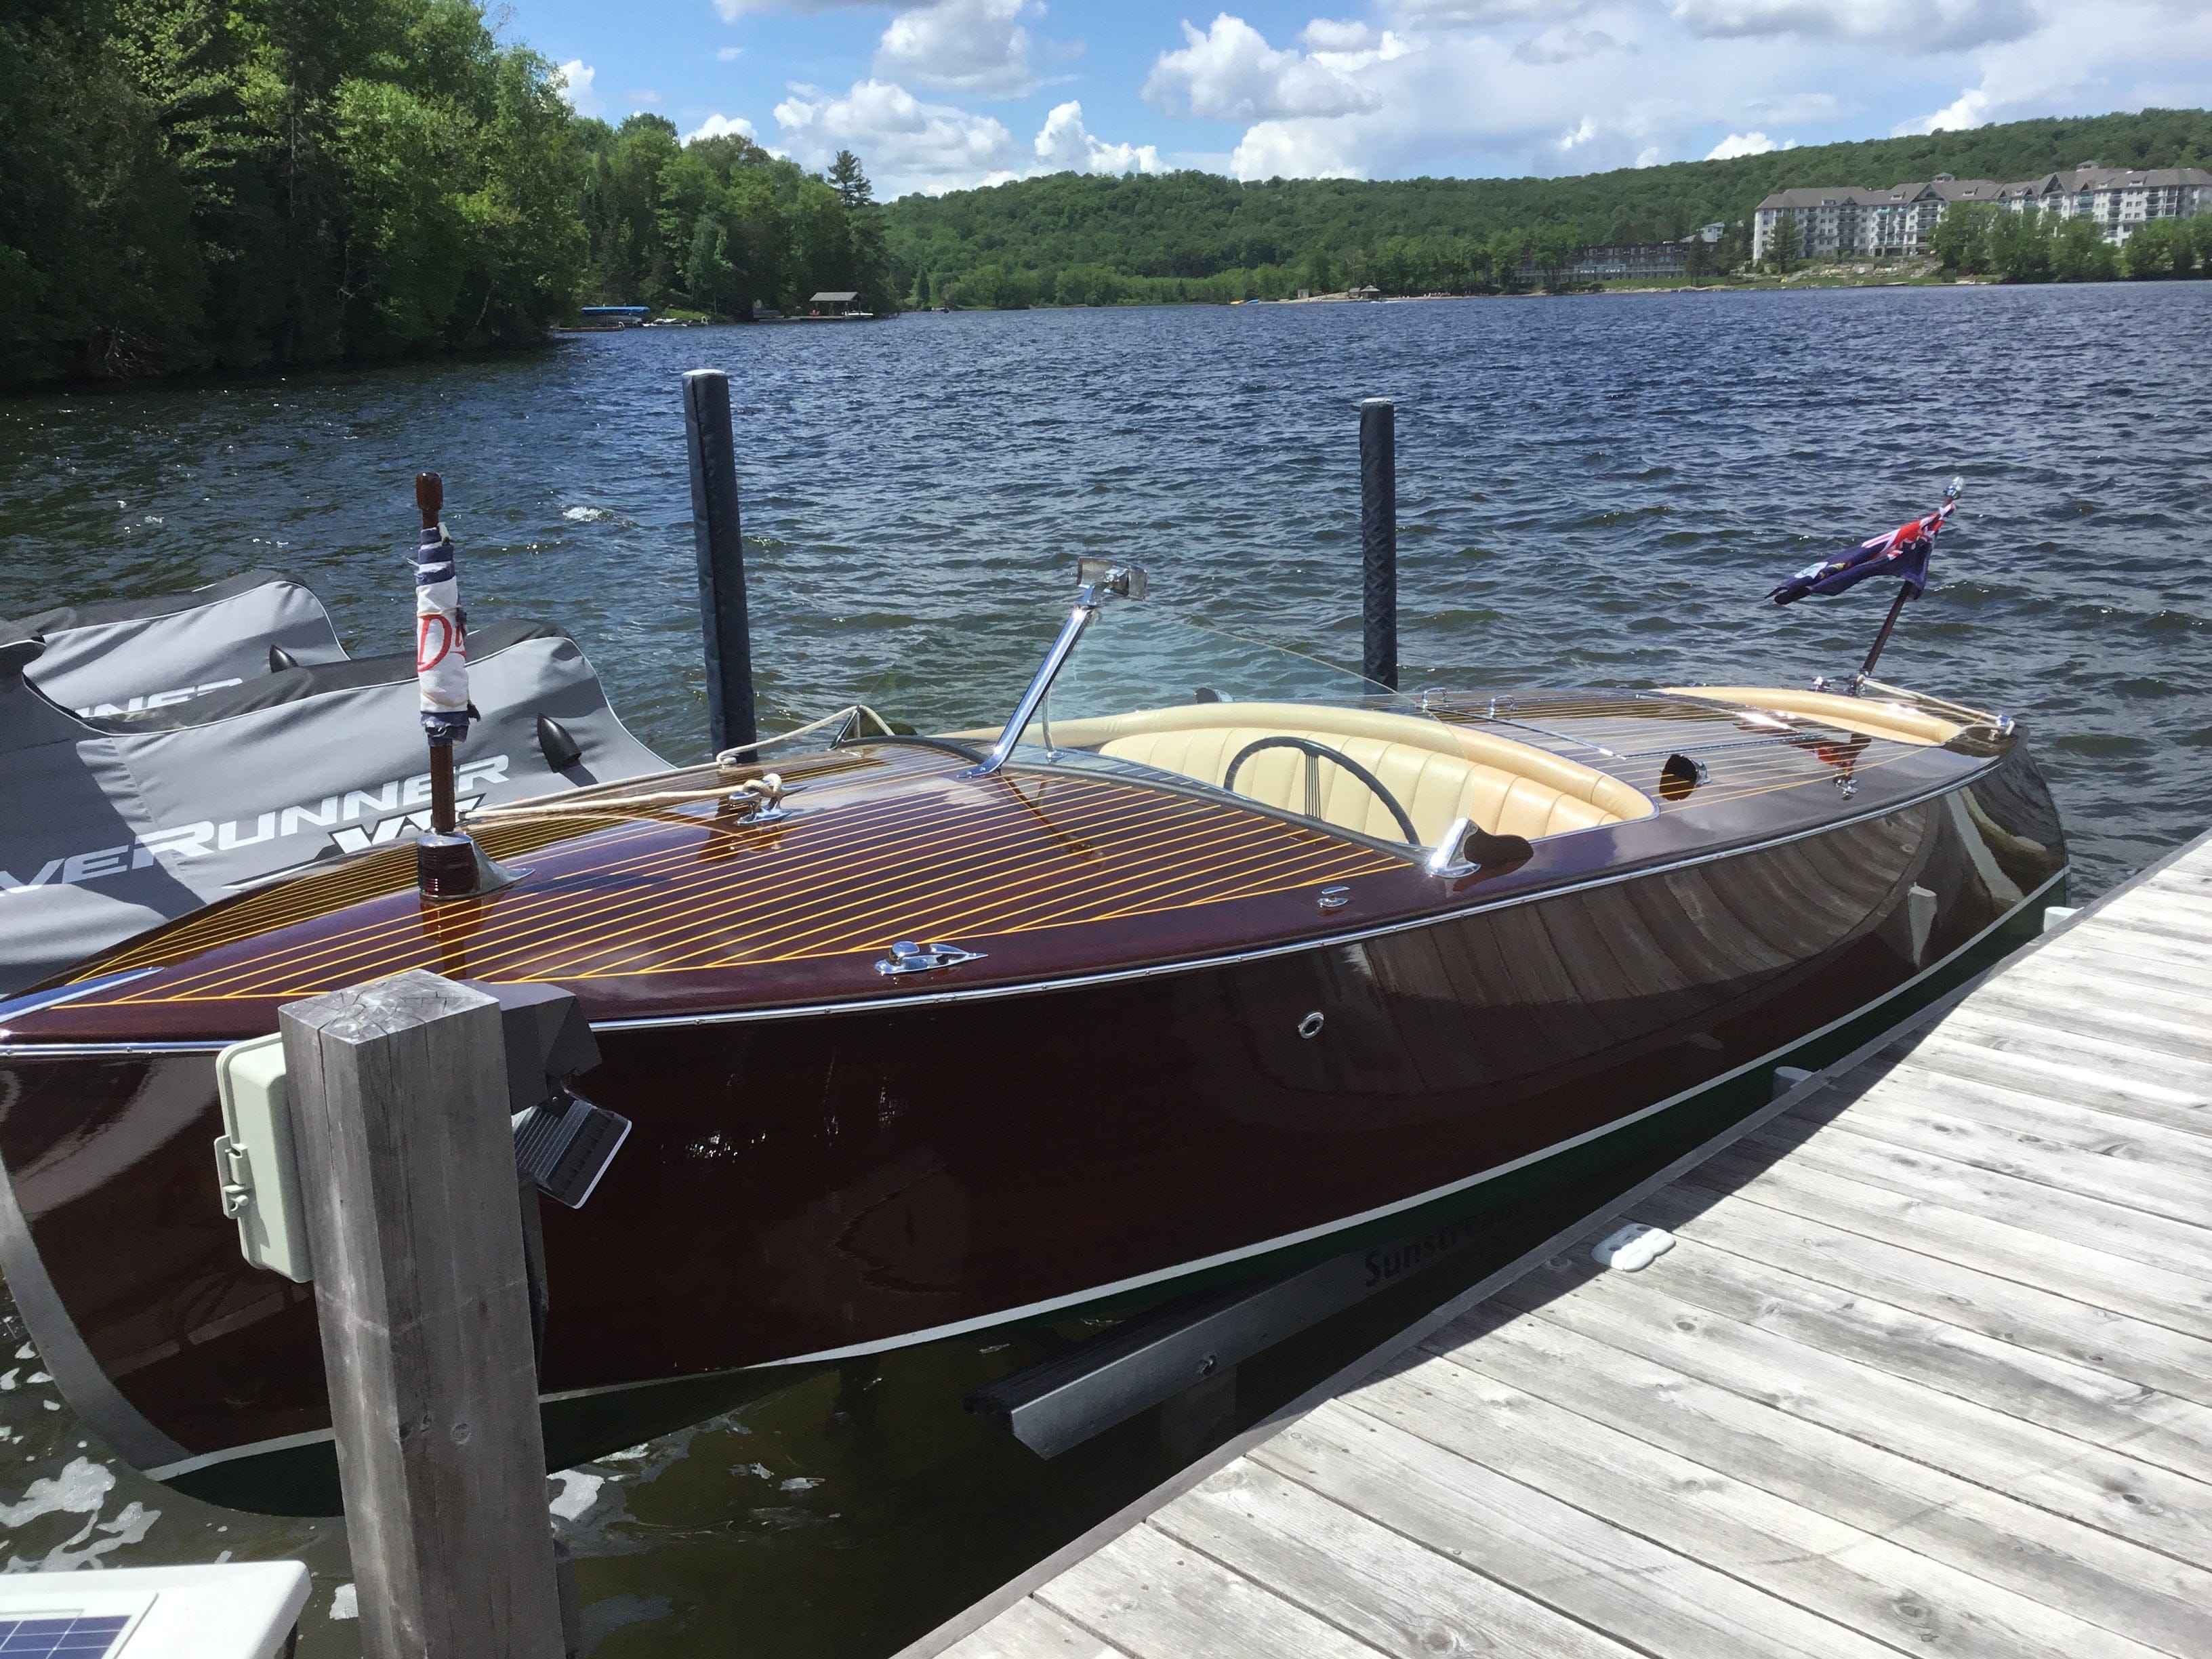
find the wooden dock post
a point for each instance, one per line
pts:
(399, 1105)
(1378, 540)
(720, 547)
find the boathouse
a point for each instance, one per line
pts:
(833, 304)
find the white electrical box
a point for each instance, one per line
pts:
(235, 1610)
(255, 1161)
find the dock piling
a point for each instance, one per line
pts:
(400, 1107)
(1378, 540)
(715, 537)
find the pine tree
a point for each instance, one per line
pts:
(854, 189)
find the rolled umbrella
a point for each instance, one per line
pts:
(448, 864)
(441, 636)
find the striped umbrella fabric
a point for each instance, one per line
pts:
(441, 639)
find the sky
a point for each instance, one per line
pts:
(945, 95)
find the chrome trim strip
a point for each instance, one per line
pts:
(1141, 1281)
(1151, 970)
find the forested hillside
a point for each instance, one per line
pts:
(196, 184)
(719, 224)
(227, 184)
(1197, 235)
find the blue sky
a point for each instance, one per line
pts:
(942, 94)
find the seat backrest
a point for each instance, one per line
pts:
(1432, 773)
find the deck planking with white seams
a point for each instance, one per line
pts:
(1928, 1371)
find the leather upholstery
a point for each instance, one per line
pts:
(1871, 715)
(1438, 773)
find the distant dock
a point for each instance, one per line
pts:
(1927, 1370)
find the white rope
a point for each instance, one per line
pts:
(767, 789)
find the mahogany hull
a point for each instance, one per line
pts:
(801, 1186)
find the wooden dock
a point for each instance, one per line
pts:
(1928, 1371)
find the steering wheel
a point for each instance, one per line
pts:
(1323, 752)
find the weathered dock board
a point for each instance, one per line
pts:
(1928, 1370)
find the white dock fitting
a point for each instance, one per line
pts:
(237, 1610)
(1928, 1371)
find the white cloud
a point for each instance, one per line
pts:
(1583, 131)
(975, 47)
(576, 78)
(907, 145)
(1231, 73)
(2141, 52)
(1065, 145)
(1562, 44)
(1469, 14)
(1924, 25)
(1348, 48)
(1545, 87)
(1327, 34)
(721, 126)
(730, 10)
(729, 54)
(1293, 149)
(1741, 143)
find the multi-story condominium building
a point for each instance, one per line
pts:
(1843, 221)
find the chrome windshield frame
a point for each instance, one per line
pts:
(1120, 579)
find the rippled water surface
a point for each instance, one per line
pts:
(1593, 491)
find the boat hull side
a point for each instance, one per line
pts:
(799, 1188)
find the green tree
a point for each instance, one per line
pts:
(2079, 252)
(231, 182)
(2020, 244)
(850, 183)
(2161, 248)
(1960, 240)
(1508, 252)
(1553, 249)
(1784, 243)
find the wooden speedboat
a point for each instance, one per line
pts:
(924, 1036)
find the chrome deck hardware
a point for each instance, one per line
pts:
(908, 957)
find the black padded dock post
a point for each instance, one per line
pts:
(713, 452)
(1378, 540)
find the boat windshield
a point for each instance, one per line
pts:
(1150, 687)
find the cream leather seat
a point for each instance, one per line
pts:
(1437, 772)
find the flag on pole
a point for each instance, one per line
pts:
(1903, 553)
(442, 642)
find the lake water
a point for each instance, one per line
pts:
(1592, 491)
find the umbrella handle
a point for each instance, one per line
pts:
(430, 496)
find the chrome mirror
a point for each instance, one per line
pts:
(1127, 581)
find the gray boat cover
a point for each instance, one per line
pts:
(121, 655)
(110, 824)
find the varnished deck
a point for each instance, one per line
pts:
(1928, 1370)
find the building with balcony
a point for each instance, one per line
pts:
(1842, 222)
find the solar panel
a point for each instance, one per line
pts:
(64, 1634)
